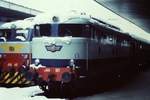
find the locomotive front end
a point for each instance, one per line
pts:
(59, 59)
(60, 53)
(60, 50)
(15, 56)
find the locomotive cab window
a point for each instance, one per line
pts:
(75, 30)
(43, 30)
(14, 35)
(5, 34)
(25, 34)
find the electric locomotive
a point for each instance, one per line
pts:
(15, 52)
(71, 47)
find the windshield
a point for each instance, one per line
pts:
(61, 30)
(14, 35)
(75, 30)
(5, 35)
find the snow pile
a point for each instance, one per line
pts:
(28, 93)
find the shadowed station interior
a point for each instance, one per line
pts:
(136, 88)
(136, 11)
(11, 11)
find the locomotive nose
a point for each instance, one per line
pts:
(14, 60)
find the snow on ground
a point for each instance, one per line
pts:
(26, 93)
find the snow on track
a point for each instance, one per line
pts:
(26, 93)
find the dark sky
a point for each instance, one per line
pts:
(137, 11)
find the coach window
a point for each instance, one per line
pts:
(115, 40)
(110, 39)
(118, 40)
(103, 38)
(96, 35)
(125, 43)
(92, 32)
(86, 31)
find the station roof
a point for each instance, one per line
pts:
(11, 11)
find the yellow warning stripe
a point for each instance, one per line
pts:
(11, 78)
(22, 80)
(17, 78)
(28, 82)
(3, 74)
(8, 80)
(14, 81)
(1, 78)
(5, 78)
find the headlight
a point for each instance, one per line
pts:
(72, 63)
(16, 65)
(37, 62)
(9, 64)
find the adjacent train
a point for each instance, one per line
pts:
(15, 52)
(72, 47)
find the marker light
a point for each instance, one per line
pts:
(9, 64)
(16, 64)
